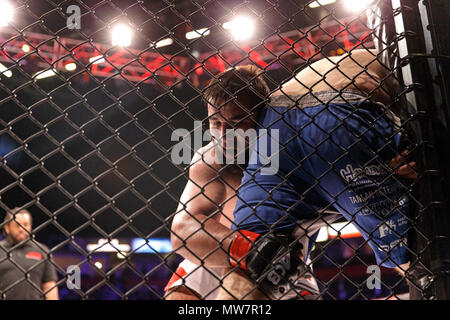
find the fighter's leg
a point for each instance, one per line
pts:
(182, 293)
(238, 286)
(193, 282)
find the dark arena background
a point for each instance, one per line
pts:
(92, 91)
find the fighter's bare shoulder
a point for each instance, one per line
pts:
(205, 162)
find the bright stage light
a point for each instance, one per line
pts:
(4, 71)
(45, 74)
(121, 35)
(241, 28)
(98, 264)
(121, 255)
(96, 59)
(164, 42)
(319, 3)
(6, 13)
(26, 48)
(197, 33)
(71, 66)
(105, 245)
(153, 245)
(357, 5)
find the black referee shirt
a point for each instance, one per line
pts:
(27, 257)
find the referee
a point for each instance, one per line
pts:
(26, 271)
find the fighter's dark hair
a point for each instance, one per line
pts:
(243, 84)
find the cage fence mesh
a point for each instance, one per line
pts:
(92, 93)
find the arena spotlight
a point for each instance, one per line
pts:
(97, 59)
(197, 33)
(6, 13)
(4, 71)
(121, 35)
(105, 245)
(357, 6)
(241, 28)
(71, 66)
(44, 74)
(98, 264)
(164, 42)
(319, 3)
(26, 48)
(121, 255)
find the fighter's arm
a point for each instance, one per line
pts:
(359, 69)
(51, 290)
(197, 234)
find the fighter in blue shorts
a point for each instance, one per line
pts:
(336, 137)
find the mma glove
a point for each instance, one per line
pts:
(273, 262)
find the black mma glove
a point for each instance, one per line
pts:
(273, 263)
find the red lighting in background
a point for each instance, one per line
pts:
(289, 49)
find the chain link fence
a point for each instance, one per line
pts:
(124, 174)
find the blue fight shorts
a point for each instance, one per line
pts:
(333, 154)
